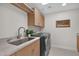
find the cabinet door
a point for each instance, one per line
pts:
(36, 48)
(24, 52)
(41, 20)
(31, 21)
(37, 17)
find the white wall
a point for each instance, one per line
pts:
(63, 37)
(11, 18)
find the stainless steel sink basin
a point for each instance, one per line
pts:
(20, 41)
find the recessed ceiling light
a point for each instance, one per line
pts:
(64, 4)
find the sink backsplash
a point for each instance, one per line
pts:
(35, 28)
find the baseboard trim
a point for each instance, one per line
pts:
(58, 46)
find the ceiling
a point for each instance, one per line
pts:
(53, 7)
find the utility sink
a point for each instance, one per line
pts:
(19, 41)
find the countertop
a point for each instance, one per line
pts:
(7, 49)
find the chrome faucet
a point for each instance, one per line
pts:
(19, 35)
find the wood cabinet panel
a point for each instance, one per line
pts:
(36, 19)
(31, 20)
(42, 21)
(35, 50)
(23, 7)
(24, 52)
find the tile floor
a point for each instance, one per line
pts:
(62, 52)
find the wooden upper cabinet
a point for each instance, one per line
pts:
(35, 19)
(42, 21)
(31, 20)
(23, 7)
